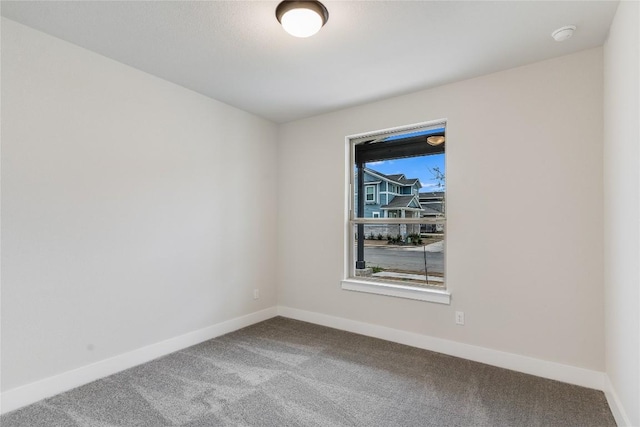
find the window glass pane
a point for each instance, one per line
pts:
(403, 177)
(417, 176)
(371, 193)
(415, 260)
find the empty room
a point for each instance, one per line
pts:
(305, 213)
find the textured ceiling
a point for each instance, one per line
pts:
(236, 52)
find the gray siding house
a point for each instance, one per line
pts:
(433, 206)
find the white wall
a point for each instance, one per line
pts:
(622, 207)
(525, 233)
(133, 210)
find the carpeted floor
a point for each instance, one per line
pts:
(284, 372)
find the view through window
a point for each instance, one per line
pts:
(398, 210)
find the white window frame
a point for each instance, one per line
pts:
(374, 201)
(375, 214)
(359, 284)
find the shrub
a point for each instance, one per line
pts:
(379, 236)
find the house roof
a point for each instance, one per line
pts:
(431, 194)
(399, 202)
(395, 178)
(410, 181)
(432, 208)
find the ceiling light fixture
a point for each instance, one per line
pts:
(302, 18)
(563, 33)
(435, 140)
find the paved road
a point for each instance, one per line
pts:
(403, 259)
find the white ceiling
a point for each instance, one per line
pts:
(236, 52)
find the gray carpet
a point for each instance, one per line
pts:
(284, 372)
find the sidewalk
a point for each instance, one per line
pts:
(433, 247)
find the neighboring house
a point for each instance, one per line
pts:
(434, 207)
(390, 196)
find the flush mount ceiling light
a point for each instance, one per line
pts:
(302, 18)
(435, 140)
(563, 33)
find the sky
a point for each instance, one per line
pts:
(413, 167)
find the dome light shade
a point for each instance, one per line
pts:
(435, 140)
(302, 18)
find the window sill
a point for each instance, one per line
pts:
(399, 291)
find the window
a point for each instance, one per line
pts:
(407, 258)
(370, 193)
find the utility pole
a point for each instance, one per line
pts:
(360, 263)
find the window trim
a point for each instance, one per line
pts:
(396, 290)
(349, 281)
(374, 200)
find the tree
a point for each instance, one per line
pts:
(438, 175)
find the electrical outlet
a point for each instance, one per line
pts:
(256, 293)
(459, 317)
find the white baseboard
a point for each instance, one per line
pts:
(619, 414)
(33, 392)
(528, 365)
